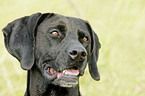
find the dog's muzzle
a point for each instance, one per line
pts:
(68, 76)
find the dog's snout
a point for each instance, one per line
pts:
(77, 53)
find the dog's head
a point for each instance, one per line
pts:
(59, 46)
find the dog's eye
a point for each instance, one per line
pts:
(85, 39)
(55, 33)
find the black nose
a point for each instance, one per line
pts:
(77, 53)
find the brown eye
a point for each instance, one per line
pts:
(54, 33)
(85, 39)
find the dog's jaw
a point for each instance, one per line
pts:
(66, 81)
(66, 78)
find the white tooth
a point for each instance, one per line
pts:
(64, 72)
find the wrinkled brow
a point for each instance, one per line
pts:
(61, 26)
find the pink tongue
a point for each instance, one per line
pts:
(69, 72)
(72, 72)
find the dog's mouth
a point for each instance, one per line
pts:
(65, 78)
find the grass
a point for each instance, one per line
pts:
(120, 25)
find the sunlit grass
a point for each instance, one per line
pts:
(120, 25)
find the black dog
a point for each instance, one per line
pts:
(54, 49)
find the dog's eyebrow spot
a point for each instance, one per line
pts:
(82, 33)
(62, 27)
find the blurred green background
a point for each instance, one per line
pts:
(120, 25)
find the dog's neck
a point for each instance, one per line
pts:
(38, 86)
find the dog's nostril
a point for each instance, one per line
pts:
(77, 53)
(83, 54)
(74, 52)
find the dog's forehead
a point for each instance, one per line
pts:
(67, 20)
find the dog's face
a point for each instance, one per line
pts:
(60, 46)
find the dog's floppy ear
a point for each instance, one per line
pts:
(94, 53)
(20, 40)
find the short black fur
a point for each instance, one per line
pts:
(54, 62)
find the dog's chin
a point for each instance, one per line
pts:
(66, 81)
(66, 78)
